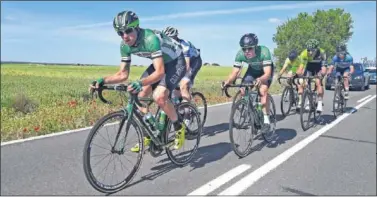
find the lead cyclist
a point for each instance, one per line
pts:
(193, 62)
(161, 77)
(260, 69)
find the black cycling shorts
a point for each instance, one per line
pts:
(249, 77)
(313, 69)
(195, 65)
(174, 72)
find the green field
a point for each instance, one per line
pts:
(38, 99)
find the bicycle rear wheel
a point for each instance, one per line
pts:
(194, 135)
(270, 136)
(113, 152)
(199, 96)
(245, 116)
(287, 94)
(306, 97)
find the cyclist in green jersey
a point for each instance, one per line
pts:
(260, 69)
(313, 58)
(161, 77)
(294, 66)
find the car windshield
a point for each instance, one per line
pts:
(357, 67)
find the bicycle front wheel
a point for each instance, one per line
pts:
(306, 108)
(112, 150)
(200, 102)
(286, 97)
(338, 101)
(246, 122)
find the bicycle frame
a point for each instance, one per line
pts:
(130, 113)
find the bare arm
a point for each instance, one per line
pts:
(120, 76)
(158, 64)
(267, 73)
(283, 69)
(233, 75)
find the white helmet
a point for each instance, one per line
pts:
(170, 31)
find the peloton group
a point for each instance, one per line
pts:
(176, 62)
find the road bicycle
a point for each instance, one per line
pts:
(195, 96)
(290, 92)
(309, 96)
(130, 116)
(251, 116)
(339, 99)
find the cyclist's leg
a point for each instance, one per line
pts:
(320, 92)
(247, 78)
(146, 91)
(345, 72)
(175, 71)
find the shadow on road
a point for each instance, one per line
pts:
(281, 136)
(295, 191)
(203, 156)
(215, 129)
(353, 140)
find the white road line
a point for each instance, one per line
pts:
(240, 186)
(363, 99)
(219, 181)
(82, 129)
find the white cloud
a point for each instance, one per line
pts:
(274, 20)
(233, 11)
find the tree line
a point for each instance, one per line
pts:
(328, 27)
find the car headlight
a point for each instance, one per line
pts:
(358, 77)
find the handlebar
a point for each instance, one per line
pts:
(293, 78)
(118, 87)
(225, 89)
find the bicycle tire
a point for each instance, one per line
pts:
(337, 92)
(272, 104)
(305, 96)
(86, 155)
(172, 158)
(204, 105)
(286, 91)
(241, 154)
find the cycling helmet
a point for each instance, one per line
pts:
(170, 31)
(125, 20)
(249, 40)
(312, 44)
(292, 55)
(341, 48)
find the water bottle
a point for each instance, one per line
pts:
(161, 121)
(149, 119)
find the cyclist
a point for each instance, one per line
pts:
(294, 67)
(193, 62)
(313, 59)
(260, 69)
(344, 65)
(161, 77)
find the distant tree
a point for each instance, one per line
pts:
(328, 27)
(215, 64)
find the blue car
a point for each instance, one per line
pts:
(360, 78)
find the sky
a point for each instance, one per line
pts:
(81, 31)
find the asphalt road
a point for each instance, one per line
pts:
(341, 161)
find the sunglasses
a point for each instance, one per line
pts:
(127, 31)
(248, 49)
(341, 53)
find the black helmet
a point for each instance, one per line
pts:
(292, 55)
(124, 20)
(341, 48)
(249, 40)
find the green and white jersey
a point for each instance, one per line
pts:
(151, 44)
(262, 58)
